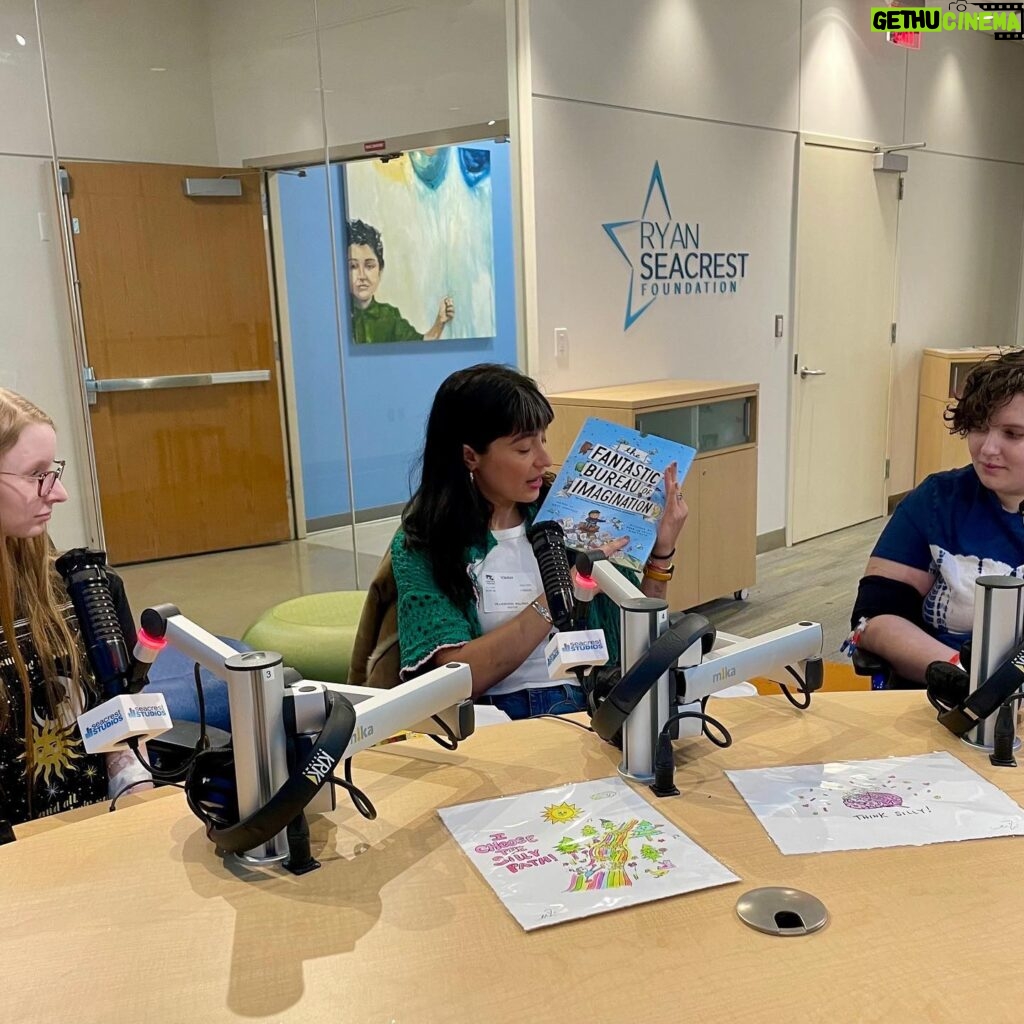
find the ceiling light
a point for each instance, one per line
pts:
(158, 69)
(490, 123)
(20, 38)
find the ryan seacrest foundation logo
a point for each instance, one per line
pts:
(666, 258)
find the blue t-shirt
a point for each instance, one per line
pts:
(954, 527)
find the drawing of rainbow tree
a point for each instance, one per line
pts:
(601, 858)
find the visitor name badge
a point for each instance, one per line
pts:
(508, 591)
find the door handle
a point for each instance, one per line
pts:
(178, 380)
(806, 371)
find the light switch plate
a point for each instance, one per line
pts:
(561, 342)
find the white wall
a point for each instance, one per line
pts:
(388, 70)
(707, 169)
(108, 103)
(691, 93)
(35, 339)
(23, 124)
(265, 78)
(679, 58)
(852, 81)
(610, 87)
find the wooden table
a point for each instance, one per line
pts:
(132, 917)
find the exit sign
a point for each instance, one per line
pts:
(908, 40)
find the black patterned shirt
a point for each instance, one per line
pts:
(64, 776)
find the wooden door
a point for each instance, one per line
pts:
(846, 259)
(172, 286)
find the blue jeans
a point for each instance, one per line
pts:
(558, 699)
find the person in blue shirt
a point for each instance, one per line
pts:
(915, 604)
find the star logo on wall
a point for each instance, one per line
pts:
(625, 235)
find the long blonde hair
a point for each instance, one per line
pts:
(31, 589)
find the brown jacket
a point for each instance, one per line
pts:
(375, 656)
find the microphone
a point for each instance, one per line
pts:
(122, 717)
(85, 579)
(570, 650)
(548, 542)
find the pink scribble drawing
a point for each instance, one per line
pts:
(872, 801)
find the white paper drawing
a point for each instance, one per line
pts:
(581, 849)
(863, 805)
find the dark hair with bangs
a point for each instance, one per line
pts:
(989, 386)
(447, 512)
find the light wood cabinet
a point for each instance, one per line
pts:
(716, 554)
(943, 372)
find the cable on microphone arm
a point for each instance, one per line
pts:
(85, 578)
(547, 539)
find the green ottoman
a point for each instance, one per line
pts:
(315, 633)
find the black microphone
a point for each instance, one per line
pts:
(85, 578)
(548, 542)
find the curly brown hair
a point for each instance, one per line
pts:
(989, 386)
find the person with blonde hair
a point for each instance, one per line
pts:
(45, 682)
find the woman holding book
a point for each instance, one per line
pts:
(44, 681)
(469, 587)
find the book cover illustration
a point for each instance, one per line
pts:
(577, 850)
(864, 805)
(611, 486)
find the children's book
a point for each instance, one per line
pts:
(610, 486)
(577, 850)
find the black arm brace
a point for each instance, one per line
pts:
(880, 595)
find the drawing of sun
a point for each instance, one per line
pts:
(53, 750)
(560, 814)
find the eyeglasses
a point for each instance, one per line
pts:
(45, 481)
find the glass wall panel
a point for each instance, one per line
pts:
(165, 113)
(207, 225)
(424, 234)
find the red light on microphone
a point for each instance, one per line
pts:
(584, 587)
(154, 643)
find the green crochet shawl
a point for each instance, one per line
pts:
(429, 620)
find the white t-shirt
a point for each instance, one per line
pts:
(507, 580)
